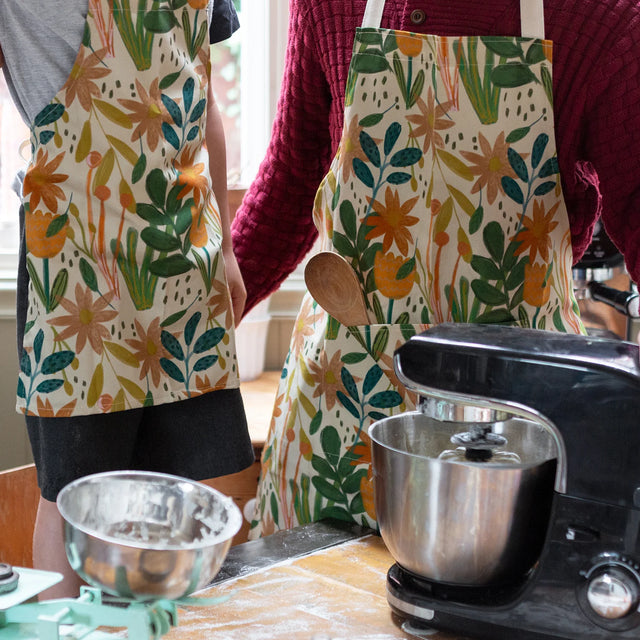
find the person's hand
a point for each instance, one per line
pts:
(237, 289)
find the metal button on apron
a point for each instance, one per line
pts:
(418, 16)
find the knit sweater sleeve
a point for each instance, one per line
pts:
(613, 135)
(273, 228)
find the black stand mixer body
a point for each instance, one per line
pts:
(586, 583)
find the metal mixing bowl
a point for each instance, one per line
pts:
(146, 535)
(471, 524)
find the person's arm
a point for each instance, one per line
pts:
(218, 168)
(1, 59)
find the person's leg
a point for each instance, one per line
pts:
(65, 449)
(49, 552)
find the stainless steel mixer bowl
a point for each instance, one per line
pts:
(146, 535)
(462, 523)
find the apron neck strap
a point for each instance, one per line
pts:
(531, 17)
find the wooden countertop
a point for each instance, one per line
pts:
(337, 593)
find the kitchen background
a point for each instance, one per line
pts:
(247, 72)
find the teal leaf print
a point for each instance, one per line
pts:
(49, 386)
(349, 384)
(190, 328)
(204, 363)
(171, 370)
(549, 168)
(139, 168)
(173, 109)
(543, 188)
(518, 164)
(363, 172)
(208, 340)
(171, 344)
(385, 399)
(37, 345)
(49, 115)
(405, 157)
(45, 136)
(187, 93)
(370, 149)
(398, 177)
(57, 362)
(347, 404)
(539, 146)
(88, 275)
(371, 379)
(170, 136)
(391, 137)
(192, 134)
(376, 415)
(21, 391)
(25, 364)
(512, 189)
(198, 110)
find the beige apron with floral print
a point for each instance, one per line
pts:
(128, 301)
(445, 198)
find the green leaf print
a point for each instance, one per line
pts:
(488, 294)
(330, 442)
(159, 240)
(503, 47)
(385, 399)
(486, 268)
(324, 468)
(369, 62)
(535, 53)
(156, 187)
(348, 218)
(172, 266)
(160, 21)
(512, 74)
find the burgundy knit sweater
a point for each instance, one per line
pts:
(596, 78)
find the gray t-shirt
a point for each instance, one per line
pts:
(40, 40)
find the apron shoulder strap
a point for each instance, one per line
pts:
(531, 17)
(373, 14)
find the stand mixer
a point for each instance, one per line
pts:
(538, 535)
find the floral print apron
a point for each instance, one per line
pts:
(128, 300)
(445, 198)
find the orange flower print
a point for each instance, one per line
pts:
(35, 230)
(536, 290)
(45, 410)
(190, 175)
(41, 181)
(303, 326)
(148, 112)
(80, 85)
(198, 4)
(198, 234)
(326, 375)
(385, 270)
(490, 166)
(391, 221)
(410, 45)
(535, 235)
(148, 350)
(430, 121)
(220, 303)
(350, 148)
(85, 319)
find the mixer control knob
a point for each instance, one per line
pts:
(613, 593)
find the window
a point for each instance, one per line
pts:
(247, 70)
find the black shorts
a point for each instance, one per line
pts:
(199, 438)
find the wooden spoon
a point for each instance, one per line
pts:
(334, 285)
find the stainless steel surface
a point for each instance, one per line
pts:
(146, 535)
(461, 523)
(453, 412)
(612, 595)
